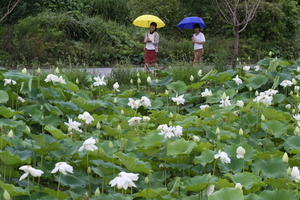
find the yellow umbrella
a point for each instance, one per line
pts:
(145, 21)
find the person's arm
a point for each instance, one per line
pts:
(146, 38)
(156, 39)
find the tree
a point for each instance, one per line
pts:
(237, 13)
(8, 7)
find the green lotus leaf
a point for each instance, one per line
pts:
(50, 93)
(156, 104)
(67, 107)
(203, 146)
(17, 76)
(152, 140)
(84, 105)
(227, 193)
(56, 133)
(147, 193)
(3, 142)
(206, 156)
(10, 123)
(8, 159)
(8, 112)
(71, 86)
(275, 114)
(179, 87)
(196, 86)
(53, 109)
(180, 147)
(232, 84)
(13, 190)
(60, 195)
(133, 164)
(249, 119)
(292, 143)
(46, 143)
(105, 169)
(279, 195)
(33, 111)
(246, 179)
(252, 197)
(280, 183)
(162, 82)
(274, 127)
(72, 181)
(257, 81)
(270, 168)
(221, 183)
(220, 77)
(196, 184)
(278, 98)
(3, 96)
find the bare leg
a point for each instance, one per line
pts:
(146, 67)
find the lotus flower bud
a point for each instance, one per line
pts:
(10, 134)
(97, 192)
(296, 88)
(285, 158)
(24, 71)
(250, 89)
(238, 185)
(241, 132)
(171, 115)
(298, 69)
(115, 100)
(200, 73)
(289, 171)
(218, 138)
(86, 195)
(297, 131)
(38, 70)
(223, 96)
(218, 131)
(110, 144)
(138, 74)
(270, 53)
(263, 118)
(149, 79)
(293, 111)
(123, 144)
(196, 138)
(209, 176)
(210, 189)
(288, 106)
(294, 81)
(291, 93)
(192, 78)
(77, 81)
(6, 195)
(131, 81)
(89, 170)
(119, 127)
(56, 70)
(156, 81)
(27, 130)
(167, 92)
(146, 180)
(90, 79)
(122, 112)
(170, 123)
(98, 125)
(256, 93)
(138, 80)
(146, 119)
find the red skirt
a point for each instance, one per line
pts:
(150, 56)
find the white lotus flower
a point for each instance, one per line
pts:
(295, 174)
(178, 99)
(149, 79)
(223, 157)
(210, 189)
(286, 83)
(166, 131)
(206, 93)
(146, 119)
(246, 68)
(264, 98)
(61, 80)
(177, 131)
(271, 92)
(62, 167)
(73, 125)
(297, 117)
(196, 138)
(203, 107)
(238, 185)
(116, 87)
(200, 72)
(51, 78)
(89, 145)
(24, 71)
(145, 101)
(9, 82)
(240, 103)
(86, 117)
(191, 78)
(257, 68)
(134, 104)
(21, 99)
(240, 152)
(237, 80)
(124, 180)
(99, 81)
(30, 170)
(134, 121)
(225, 102)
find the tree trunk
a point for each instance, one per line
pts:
(8, 44)
(236, 35)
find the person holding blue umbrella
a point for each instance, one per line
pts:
(198, 40)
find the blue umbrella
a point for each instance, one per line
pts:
(189, 22)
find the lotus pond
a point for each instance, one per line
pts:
(222, 135)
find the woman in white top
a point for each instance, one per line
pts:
(198, 39)
(151, 48)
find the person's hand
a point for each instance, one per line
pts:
(148, 39)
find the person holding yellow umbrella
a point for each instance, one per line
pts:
(151, 38)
